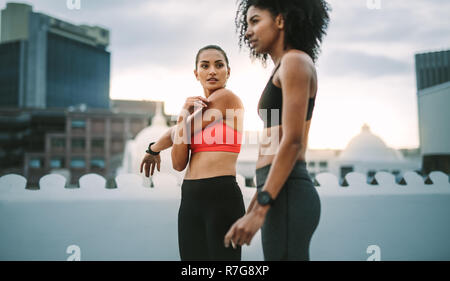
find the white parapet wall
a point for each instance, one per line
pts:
(385, 221)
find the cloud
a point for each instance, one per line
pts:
(414, 22)
(343, 63)
(374, 43)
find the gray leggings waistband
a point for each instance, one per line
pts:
(299, 171)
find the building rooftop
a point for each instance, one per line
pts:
(15, 26)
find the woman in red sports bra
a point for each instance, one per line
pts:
(207, 140)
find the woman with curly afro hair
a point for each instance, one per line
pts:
(286, 205)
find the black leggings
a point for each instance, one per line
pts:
(208, 209)
(292, 220)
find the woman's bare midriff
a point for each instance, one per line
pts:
(270, 143)
(208, 164)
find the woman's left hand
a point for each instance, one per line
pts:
(149, 162)
(243, 230)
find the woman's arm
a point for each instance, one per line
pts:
(165, 141)
(252, 203)
(180, 148)
(181, 134)
(295, 76)
(149, 162)
(222, 104)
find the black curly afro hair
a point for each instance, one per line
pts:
(306, 22)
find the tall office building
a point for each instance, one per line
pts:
(432, 69)
(433, 94)
(48, 63)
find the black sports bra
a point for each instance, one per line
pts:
(272, 99)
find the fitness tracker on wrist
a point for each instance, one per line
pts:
(151, 151)
(265, 199)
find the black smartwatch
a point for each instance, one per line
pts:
(151, 151)
(264, 198)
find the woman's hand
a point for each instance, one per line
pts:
(149, 162)
(243, 230)
(192, 103)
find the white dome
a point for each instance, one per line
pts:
(135, 149)
(153, 132)
(367, 147)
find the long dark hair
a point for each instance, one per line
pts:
(306, 22)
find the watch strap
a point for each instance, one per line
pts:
(150, 151)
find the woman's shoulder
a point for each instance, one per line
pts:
(297, 57)
(297, 61)
(226, 96)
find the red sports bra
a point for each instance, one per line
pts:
(205, 140)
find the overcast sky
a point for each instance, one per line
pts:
(366, 69)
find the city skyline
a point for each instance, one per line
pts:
(366, 69)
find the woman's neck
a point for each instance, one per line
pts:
(278, 50)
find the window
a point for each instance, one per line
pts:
(77, 162)
(35, 163)
(117, 145)
(78, 143)
(371, 173)
(98, 163)
(58, 143)
(323, 164)
(98, 126)
(56, 163)
(98, 143)
(312, 164)
(117, 126)
(78, 124)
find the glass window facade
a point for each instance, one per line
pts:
(432, 69)
(76, 73)
(9, 73)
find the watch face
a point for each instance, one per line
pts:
(263, 198)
